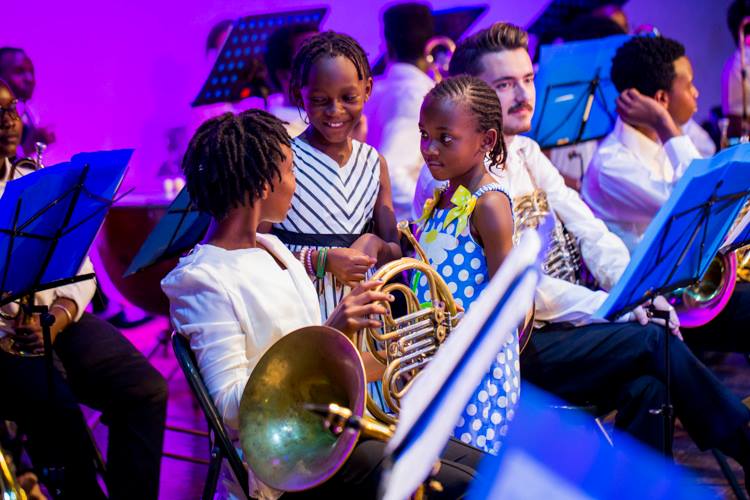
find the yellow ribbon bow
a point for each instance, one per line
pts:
(464, 203)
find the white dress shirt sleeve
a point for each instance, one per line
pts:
(201, 309)
(82, 292)
(639, 191)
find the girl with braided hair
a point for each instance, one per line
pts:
(466, 230)
(240, 291)
(341, 221)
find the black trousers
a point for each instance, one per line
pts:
(360, 476)
(621, 366)
(730, 330)
(97, 366)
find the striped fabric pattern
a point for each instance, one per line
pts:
(334, 200)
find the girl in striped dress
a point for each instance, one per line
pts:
(341, 220)
(466, 231)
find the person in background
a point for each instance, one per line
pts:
(282, 45)
(17, 70)
(393, 109)
(94, 365)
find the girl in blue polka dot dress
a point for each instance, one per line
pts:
(466, 231)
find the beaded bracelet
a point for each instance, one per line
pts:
(302, 255)
(308, 263)
(321, 269)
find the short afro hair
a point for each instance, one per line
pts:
(497, 38)
(232, 158)
(646, 63)
(407, 28)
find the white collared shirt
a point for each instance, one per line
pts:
(232, 306)
(393, 128)
(631, 176)
(81, 293)
(605, 255)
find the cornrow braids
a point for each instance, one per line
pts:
(232, 158)
(483, 103)
(325, 44)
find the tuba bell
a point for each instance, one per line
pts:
(285, 444)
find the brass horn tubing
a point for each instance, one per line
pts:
(394, 334)
(405, 370)
(414, 340)
(403, 228)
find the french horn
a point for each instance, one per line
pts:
(406, 344)
(285, 444)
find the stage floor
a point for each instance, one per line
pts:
(181, 479)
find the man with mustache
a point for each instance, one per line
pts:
(613, 365)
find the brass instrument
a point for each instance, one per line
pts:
(9, 487)
(438, 52)
(411, 340)
(563, 260)
(6, 342)
(284, 442)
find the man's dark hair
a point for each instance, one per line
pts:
(496, 38)
(646, 63)
(483, 103)
(325, 44)
(233, 157)
(738, 10)
(591, 27)
(4, 51)
(408, 27)
(280, 49)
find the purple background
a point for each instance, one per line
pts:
(121, 74)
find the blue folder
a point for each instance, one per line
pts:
(47, 223)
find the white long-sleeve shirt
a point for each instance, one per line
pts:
(393, 128)
(631, 176)
(81, 293)
(232, 306)
(605, 255)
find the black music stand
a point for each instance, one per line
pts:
(577, 97)
(48, 220)
(239, 71)
(681, 241)
(177, 231)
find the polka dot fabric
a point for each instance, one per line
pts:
(460, 260)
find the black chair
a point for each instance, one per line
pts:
(221, 447)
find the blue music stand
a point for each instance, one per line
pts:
(682, 239)
(553, 454)
(48, 220)
(239, 71)
(575, 95)
(177, 231)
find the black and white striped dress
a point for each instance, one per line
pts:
(332, 206)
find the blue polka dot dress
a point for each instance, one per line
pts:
(460, 260)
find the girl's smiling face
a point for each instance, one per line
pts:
(334, 97)
(451, 144)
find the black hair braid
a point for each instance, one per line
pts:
(483, 103)
(232, 158)
(325, 44)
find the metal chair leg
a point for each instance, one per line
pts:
(212, 478)
(739, 493)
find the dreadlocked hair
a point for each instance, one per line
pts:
(483, 103)
(325, 44)
(232, 158)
